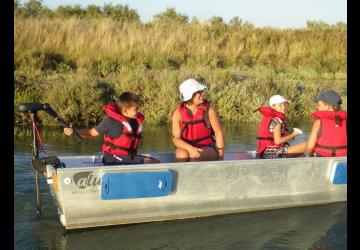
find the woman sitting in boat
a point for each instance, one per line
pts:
(328, 136)
(273, 135)
(121, 130)
(196, 130)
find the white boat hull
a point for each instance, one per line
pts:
(196, 189)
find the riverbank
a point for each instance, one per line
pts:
(77, 64)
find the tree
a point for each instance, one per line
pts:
(236, 21)
(170, 15)
(122, 13)
(215, 20)
(93, 11)
(17, 4)
(66, 11)
(33, 8)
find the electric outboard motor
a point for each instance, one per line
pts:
(39, 164)
(30, 107)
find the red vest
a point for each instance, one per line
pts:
(128, 141)
(265, 138)
(195, 130)
(333, 138)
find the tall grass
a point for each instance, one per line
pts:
(86, 42)
(77, 64)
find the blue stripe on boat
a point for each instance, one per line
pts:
(130, 185)
(339, 173)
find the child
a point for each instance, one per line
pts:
(272, 133)
(121, 130)
(328, 136)
(196, 130)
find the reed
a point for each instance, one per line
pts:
(77, 64)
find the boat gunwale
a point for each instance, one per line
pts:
(173, 164)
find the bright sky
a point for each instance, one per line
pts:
(275, 13)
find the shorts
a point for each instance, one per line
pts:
(273, 152)
(109, 159)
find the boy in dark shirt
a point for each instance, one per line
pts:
(121, 130)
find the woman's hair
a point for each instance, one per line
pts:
(128, 99)
(191, 100)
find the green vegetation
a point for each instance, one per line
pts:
(77, 59)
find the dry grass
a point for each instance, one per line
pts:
(69, 60)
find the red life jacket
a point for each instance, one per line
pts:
(128, 141)
(265, 138)
(196, 129)
(333, 138)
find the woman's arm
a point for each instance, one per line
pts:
(219, 135)
(176, 137)
(311, 142)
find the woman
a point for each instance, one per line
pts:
(328, 136)
(196, 130)
(273, 135)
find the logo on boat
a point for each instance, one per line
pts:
(86, 179)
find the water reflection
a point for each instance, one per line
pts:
(294, 228)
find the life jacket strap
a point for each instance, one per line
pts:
(194, 122)
(131, 135)
(332, 148)
(265, 138)
(117, 147)
(198, 140)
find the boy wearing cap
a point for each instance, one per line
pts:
(273, 134)
(121, 130)
(328, 136)
(196, 130)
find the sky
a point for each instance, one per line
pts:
(275, 13)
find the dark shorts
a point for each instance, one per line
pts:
(273, 152)
(122, 160)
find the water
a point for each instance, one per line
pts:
(316, 227)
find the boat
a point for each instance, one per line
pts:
(89, 194)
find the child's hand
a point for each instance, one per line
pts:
(68, 131)
(194, 152)
(297, 131)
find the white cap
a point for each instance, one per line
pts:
(189, 87)
(277, 99)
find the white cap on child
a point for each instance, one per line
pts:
(277, 99)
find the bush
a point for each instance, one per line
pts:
(105, 67)
(70, 61)
(79, 99)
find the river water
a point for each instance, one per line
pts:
(316, 227)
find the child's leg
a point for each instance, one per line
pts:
(181, 155)
(296, 149)
(109, 159)
(149, 160)
(273, 152)
(137, 159)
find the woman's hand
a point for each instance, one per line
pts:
(194, 152)
(220, 152)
